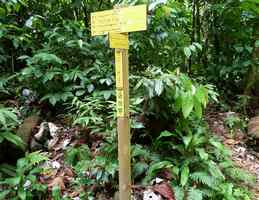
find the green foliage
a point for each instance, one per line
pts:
(8, 121)
(99, 170)
(46, 46)
(181, 95)
(24, 184)
(56, 194)
(8, 118)
(74, 155)
(195, 163)
(94, 111)
(235, 123)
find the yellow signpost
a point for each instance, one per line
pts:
(117, 23)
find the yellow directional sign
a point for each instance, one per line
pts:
(119, 40)
(133, 18)
(119, 20)
(104, 22)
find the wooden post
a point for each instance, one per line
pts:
(122, 90)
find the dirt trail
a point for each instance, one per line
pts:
(243, 156)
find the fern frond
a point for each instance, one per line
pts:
(204, 178)
(36, 157)
(215, 171)
(195, 194)
(178, 193)
(209, 193)
(241, 175)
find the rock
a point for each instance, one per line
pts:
(26, 128)
(53, 129)
(38, 140)
(46, 137)
(253, 127)
(24, 132)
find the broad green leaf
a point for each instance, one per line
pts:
(46, 57)
(184, 175)
(187, 52)
(203, 155)
(22, 193)
(107, 94)
(194, 194)
(2, 119)
(138, 150)
(13, 139)
(139, 168)
(158, 166)
(138, 101)
(187, 104)
(66, 95)
(201, 95)
(53, 100)
(23, 57)
(8, 169)
(198, 108)
(90, 88)
(1, 138)
(80, 43)
(13, 181)
(187, 140)
(166, 134)
(80, 92)
(179, 193)
(198, 45)
(239, 49)
(137, 125)
(3, 194)
(192, 48)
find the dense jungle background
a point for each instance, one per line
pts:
(194, 101)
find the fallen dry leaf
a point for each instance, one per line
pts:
(69, 172)
(165, 190)
(58, 181)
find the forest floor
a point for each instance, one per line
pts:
(62, 175)
(243, 155)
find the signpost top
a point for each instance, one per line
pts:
(119, 20)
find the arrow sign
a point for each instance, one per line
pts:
(119, 20)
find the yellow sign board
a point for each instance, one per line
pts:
(119, 20)
(133, 18)
(104, 22)
(119, 41)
